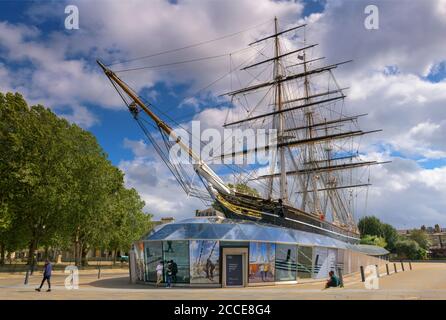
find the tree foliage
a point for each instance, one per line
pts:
(409, 249)
(370, 225)
(420, 237)
(390, 235)
(372, 229)
(58, 187)
(374, 240)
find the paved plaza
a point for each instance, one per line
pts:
(425, 281)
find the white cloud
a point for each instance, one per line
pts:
(156, 185)
(408, 108)
(407, 195)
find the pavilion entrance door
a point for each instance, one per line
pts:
(235, 267)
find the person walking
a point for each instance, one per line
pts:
(47, 269)
(159, 273)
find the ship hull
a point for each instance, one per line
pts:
(255, 209)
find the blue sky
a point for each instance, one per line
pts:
(113, 126)
(400, 69)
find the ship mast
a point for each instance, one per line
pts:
(200, 166)
(281, 120)
(316, 168)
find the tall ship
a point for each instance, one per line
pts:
(316, 168)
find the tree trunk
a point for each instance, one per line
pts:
(31, 249)
(77, 249)
(114, 257)
(2, 253)
(84, 256)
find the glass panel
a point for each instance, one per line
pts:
(340, 261)
(304, 262)
(286, 262)
(261, 261)
(332, 257)
(154, 255)
(139, 255)
(234, 244)
(321, 263)
(177, 253)
(205, 265)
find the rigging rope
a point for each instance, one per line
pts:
(191, 45)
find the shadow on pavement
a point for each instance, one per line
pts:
(118, 283)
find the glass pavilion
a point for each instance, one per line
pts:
(211, 251)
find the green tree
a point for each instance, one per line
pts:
(420, 237)
(370, 225)
(35, 167)
(128, 221)
(390, 235)
(58, 187)
(374, 240)
(409, 249)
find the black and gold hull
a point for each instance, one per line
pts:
(245, 207)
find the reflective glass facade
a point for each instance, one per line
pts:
(286, 262)
(194, 247)
(304, 262)
(177, 252)
(262, 262)
(204, 261)
(153, 255)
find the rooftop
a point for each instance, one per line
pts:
(215, 228)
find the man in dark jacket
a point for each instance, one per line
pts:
(174, 271)
(169, 272)
(46, 275)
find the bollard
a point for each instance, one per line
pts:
(362, 273)
(341, 279)
(410, 265)
(387, 269)
(394, 266)
(402, 265)
(99, 273)
(377, 270)
(26, 277)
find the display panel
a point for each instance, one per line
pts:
(320, 269)
(332, 260)
(304, 262)
(286, 267)
(139, 259)
(177, 253)
(204, 261)
(153, 256)
(261, 262)
(234, 270)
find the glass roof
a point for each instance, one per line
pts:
(214, 228)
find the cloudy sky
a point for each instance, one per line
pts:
(398, 77)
